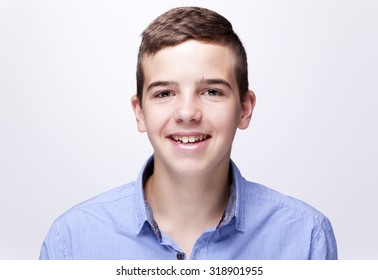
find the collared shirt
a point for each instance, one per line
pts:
(258, 223)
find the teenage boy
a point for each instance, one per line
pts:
(190, 200)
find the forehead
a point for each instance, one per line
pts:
(191, 60)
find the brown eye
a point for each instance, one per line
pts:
(212, 92)
(163, 94)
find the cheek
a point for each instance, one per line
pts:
(156, 119)
(153, 129)
(227, 116)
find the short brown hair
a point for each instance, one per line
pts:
(192, 23)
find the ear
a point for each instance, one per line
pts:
(247, 109)
(137, 108)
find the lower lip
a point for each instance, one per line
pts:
(189, 148)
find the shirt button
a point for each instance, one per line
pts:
(180, 256)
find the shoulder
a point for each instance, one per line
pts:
(261, 198)
(267, 198)
(109, 202)
(302, 228)
(100, 218)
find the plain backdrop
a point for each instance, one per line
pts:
(67, 73)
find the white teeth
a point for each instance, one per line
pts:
(188, 139)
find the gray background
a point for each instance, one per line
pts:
(68, 131)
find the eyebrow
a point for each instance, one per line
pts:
(161, 84)
(201, 82)
(215, 82)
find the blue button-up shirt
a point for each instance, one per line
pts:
(258, 223)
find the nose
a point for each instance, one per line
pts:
(188, 110)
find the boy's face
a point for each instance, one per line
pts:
(191, 107)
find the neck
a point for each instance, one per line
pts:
(188, 202)
(185, 207)
(177, 200)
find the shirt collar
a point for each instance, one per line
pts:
(235, 204)
(234, 208)
(143, 213)
(239, 182)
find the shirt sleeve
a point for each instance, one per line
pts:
(324, 245)
(53, 247)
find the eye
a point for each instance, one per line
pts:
(163, 94)
(212, 92)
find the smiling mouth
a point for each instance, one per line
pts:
(192, 139)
